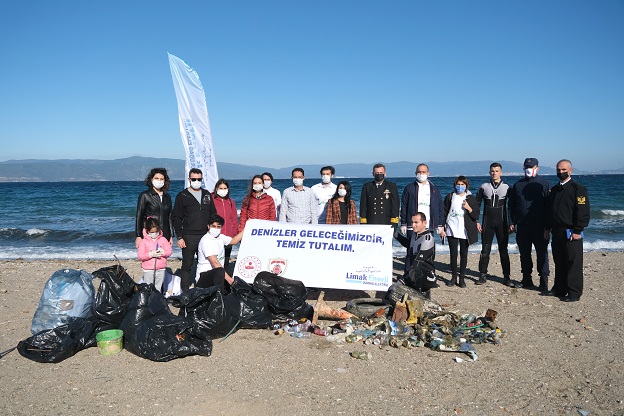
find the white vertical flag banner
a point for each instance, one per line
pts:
(194, 124)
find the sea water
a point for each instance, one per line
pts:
(95, 220)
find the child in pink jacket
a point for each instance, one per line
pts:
(153, 252)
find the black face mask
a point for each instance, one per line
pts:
(563, 175)
(379, 177)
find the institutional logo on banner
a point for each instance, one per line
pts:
(194, 123)
(357, 257)
(278, 266)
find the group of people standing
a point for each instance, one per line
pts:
(530, 207)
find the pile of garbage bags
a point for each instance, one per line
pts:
(151, 330)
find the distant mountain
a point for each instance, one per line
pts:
(136, 168)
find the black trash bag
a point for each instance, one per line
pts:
(286, 297)
(152, 331)
(247, 305)
(205, 308)
(114, 294)
(60, 343)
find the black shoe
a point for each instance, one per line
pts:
(549, 293)
(508, 282)
(571, 299)
(450, 282)
(462, 283)
(526, 285)
(482, 279)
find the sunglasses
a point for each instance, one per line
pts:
(195, 179)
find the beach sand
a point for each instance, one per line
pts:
(548, 363)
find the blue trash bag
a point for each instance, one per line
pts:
(67, 294)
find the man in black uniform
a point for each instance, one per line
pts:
(190, 217)
(567, 217)
(420, 256)
(495, 222)
(379, 203)
(528, 200)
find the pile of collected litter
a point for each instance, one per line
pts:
(412, 322)
(70, 316)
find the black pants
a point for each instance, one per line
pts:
(188, 256)
(463, 255)
(568, 258)
(502, 238)
(214, 277)
(526, 236)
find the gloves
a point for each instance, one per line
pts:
(156, 253)
(403, 229)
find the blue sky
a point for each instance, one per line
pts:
(298, 82)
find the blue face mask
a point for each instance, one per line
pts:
(460, 189)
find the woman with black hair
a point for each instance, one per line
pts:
(257, 204)
(155, 202)
(341, 208)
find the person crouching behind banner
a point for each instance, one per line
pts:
(420, 273)
(211, 255)
(341, 208)
(154, 248)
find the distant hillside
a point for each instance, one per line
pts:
(136, 168)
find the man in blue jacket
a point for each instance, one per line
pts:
(421, 196)
(528, 209)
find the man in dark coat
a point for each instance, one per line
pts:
(423, 196)
(191, 213)
(528, 202)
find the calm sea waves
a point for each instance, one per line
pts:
(95, 220)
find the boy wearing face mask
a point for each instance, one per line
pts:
(211, 255)
(528, 208)
(324, 191)
(192, 210)
(267, 184)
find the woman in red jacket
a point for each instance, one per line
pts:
(226, 208)
(257, 204)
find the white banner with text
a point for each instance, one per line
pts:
(356, 257)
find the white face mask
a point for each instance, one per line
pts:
(326, 178)
(158, 184)
(297, 181)
(222, 192)
(342, 192)
(153, 235)
(267, 184)
(529, 172)
(196, 185)
(214, 232)
(257, 187)
(421, 178)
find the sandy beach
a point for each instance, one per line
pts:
(556, 358)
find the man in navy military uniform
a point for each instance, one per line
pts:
(379, 203)
(568, 215)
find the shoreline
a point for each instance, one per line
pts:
(556, 358)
